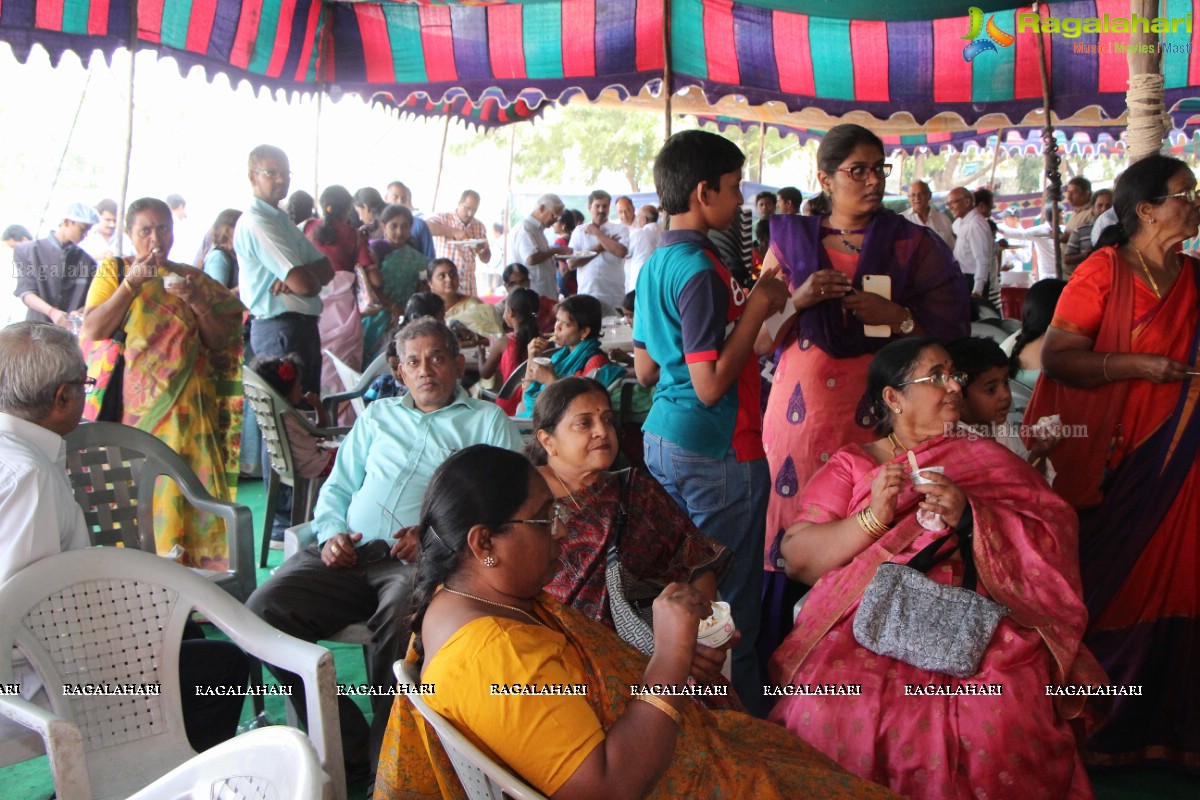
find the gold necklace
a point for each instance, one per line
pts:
(897, 446)
(1145, 269)
(563, 484)
(536, 621)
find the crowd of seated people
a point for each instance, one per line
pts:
(886, 483)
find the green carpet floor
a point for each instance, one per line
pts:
(31, 780)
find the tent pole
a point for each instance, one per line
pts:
(66, 149)
(508, 202)
(762, 147)
(996, 159)
(667, 76)
(317, 141)
(1053, 192)
(132, 47)
(1148, 122)
(437, 185)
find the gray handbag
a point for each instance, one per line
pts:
(630, 601)
(932, 626)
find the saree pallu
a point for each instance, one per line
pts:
(585, 357)
(401, 271)
(1140, 547)
(341, 330)
(718, 753)
(189, 397)
(1021, 741)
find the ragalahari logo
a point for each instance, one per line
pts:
(991, 36)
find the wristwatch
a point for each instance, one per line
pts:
(908, 324)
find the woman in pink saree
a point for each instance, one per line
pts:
(925, 734)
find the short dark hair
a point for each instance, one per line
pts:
(837, 145)
(144, 204)
(300, 206)
(893, 364)
(479, 485)
(818, 205)
(511, 270)
(1099, 192)
(975, 355)
(598, 194)
(176, 201)
(984, 197)
(791, 195)
(764, 196)
(265, 151)
(567, 220)
(18, 232)
(423, 304)
(586, 311)
(629, 300)
(552, 404)
(578, 215)
(370, 197)
(426, 326)
(688, 159)
(389, 213)
(440, 262)
(469, 193)
(1036, 314)
(1081, 182)
(107, 206)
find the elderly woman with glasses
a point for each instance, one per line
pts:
(516, 276)
(978, 517)
(1119, 361)
(550, 693)
(860, 277)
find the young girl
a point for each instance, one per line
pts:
(309, 457)
(521, 318)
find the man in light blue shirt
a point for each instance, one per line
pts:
(373, 496)
(281, 272)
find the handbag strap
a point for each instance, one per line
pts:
(928, 558)
(618, 528)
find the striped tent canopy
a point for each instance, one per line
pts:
(800, 53)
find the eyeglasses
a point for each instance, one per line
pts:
(88, 384)
(273, 174)
(860, 171)
(557, 527)
(1190, 195)
(938, 379)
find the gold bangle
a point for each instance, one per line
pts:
(662, 706)
(1104, 368)
(870, 524)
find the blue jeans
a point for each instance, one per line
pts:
(727, 500)
(291, 333)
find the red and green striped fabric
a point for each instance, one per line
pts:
(755, 49)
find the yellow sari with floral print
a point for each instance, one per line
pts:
(187, 396)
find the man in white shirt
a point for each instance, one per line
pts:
(974, 243)
(603, 275)
(527, 245)
(643, 241)
(43, 380)
(1042, 238)
(923, 213)
(103, 240)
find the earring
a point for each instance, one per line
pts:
(898, 410)
(489, 562)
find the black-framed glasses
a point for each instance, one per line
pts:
(88, 384)
(1190, 195)
(274, 174)
(859, 172)
(938, 379)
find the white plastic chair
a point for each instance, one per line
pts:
(115, 616)
(354, 383)
(275, 763)
(113, 469)
(481, 776)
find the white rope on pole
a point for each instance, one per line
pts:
(1148, 123)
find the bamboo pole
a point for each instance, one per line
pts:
(1053, 192)
(316, 192)
(508, 203)
(437, 185)
(668, 78)
(132, 47)
(63, 158)
(762, 148)
(1148, 123)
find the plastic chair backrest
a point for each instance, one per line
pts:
(273, 763)
(269, 410)
(113, 469)
(989, 331)
(481, 776)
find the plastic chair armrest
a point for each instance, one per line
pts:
(63, 741)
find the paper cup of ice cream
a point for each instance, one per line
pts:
(172, 280)
(921, 475)
(717, 629)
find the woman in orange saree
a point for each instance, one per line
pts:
(1117, 360)
(921, 733)
(489, 542)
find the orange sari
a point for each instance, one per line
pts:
(1140, 517)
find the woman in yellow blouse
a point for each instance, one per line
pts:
(548, 691)
(182, 382)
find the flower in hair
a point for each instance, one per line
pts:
(287, 372)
